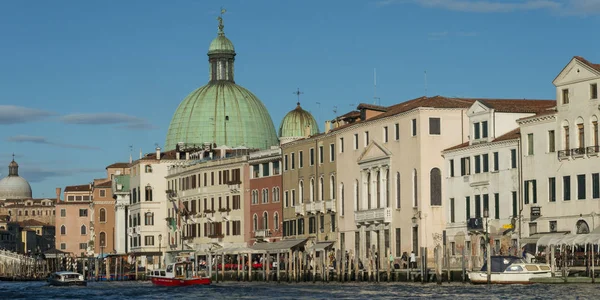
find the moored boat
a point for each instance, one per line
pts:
(510, 270)
(178, 274)
(66, 279)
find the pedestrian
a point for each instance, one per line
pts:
(413, 260)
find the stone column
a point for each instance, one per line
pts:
(373, 184)
(382, 253)
(383, 186)
(363, 245)
(364, 193)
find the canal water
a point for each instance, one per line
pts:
(235, 290)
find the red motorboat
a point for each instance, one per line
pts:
(178, 274)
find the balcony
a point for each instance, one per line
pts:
(262, 233)
(315, 207)
(299, 209)
(377, 215)
(563, 154)
(234, 187)
(577, 152)
(330, 205)
(593, 150)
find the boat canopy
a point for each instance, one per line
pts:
(500, 263)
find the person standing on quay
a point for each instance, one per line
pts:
(413, 260)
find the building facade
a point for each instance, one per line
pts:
(73, 219)
(559, 149)
(265, 190)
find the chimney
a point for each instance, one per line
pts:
(140, 153)
(158, 153)
(57, 194)
(307, 131)
(187, 156)
(327, 126)
(177, 155)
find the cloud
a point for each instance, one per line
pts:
(573, 7)
(127, 121)
(43, 141)
(37, 174)
(11, 114)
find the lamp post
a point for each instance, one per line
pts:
(160, 251)
(486, 215)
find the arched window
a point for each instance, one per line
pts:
(276, 221)
(301, 191)
(255, 222)
(63, 230)
(566, 136)
(265, 196)
(102, 239)
(83, 230)
(594, 128)
(398, 202)
(19, 213)
(356, 198)
(33, 212)
(342, 198)
(312, 190)
(415, 188)
(102, 215)
(580, 133)
(149, 168)
(321, 186)
(276, 194)
(149, 218)
(255, 197)
(332, 187)
(265, 220)
(582, 227)
(435, 187)
(148, 193)
(26, 212)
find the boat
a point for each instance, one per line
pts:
(66, 279)
(510, 270)
(178, 274)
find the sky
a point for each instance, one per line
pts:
(84, 84)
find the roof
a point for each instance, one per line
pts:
(32, 222)
(589, 64)
(518, 105)
(105, 184)
(119, 165)
(539, 114)
(511, 135)
(372, 107)
(78, 188)
(123, 180)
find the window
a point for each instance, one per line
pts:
(397, 131)
(312, 156)
(356, 197)
(552, 189)
(594, 91)
(486, 204)
(398, 190)
(552, 226)
(477, 159)
(285, 166)
(532, 228)
(341, 145)
(451, 210)
(566, 188)
(293, 160)
(255, 222)
(83, 212)
(477, 206)
(398, 241)
(468, 207)
(530, 191)
(580, 135)
(149, 218)
(476, 132)
(265, 170)
(63, 212)
(513, 158)
(596, 185)
(265, 224)
(530, 144)
(465, 166)
(63, 246)
(286, 198)
(331, 152)
(342, 203)
(435, 126)
(355, 141)
(565, 96)
(366, 138)
(435, 183)
(83, 230)
(276, 168)
(486, 163)
(496, 206)
(265, 196)
(276, 221)
(237, 227)
(515, 207)
(496, 162)
(149, 240)
(413, 123)
(236, 202)
(103, 215)
(275, 195)
(595, 136)
(320, 154)
(331, 187)
(255, 171)
(254, 196)
(484, 129)
(385, 134)
(451, 167)
(103, 193)
(415, 186)
(581, 187)
(63, 230)
(567, 137)
(82, 246)
(551, 141)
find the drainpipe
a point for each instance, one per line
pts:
(520, 190)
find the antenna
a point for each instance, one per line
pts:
(335, 110)
(130, 153)
(375, 98)
(425, 83)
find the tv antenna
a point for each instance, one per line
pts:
(335, 110)
(375, 98)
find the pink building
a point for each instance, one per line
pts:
(73, 216)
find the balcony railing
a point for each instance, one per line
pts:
(563, 154)
(262, 233)
(315, 207)
(378, 215)
(578, 152)
(300, 209)
(330, 205)
(593, 150)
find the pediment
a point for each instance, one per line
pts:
(477, 108)
(575, 71)
(374, 151)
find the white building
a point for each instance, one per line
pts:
(122, 195)
(560, 180)
(483, 175)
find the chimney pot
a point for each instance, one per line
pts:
(57, 194)
(158, 153)
(327, 126)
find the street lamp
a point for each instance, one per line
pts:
(486, 215)
(160, 251)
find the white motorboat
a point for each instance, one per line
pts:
(510, 270)
(66, 279)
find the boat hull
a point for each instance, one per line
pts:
(162, 281)
(67, 283)
(504, 278)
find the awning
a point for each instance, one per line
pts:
(543, 239)
(320, 246)
(279, 246)
(235, 250)
(570, 240)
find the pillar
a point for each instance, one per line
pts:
(383, 186)
(381, 253)
(364, 192)
(363, 246)
(373, 183)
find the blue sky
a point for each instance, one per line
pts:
(81, 81)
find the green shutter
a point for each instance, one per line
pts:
(496, 206)
(468, 205)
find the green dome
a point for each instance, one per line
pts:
(295, 122)
(222, 112)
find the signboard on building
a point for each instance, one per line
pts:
(536, 212)
(475, 224)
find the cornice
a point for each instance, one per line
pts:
(482, 146)
(534, 119)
